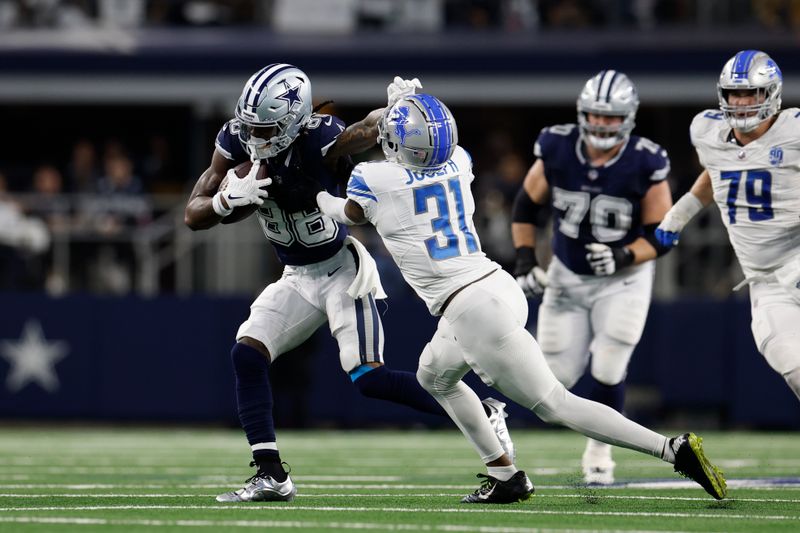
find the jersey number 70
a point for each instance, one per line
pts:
(443, 224)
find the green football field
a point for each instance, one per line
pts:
(162, 480)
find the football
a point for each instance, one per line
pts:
(241, 170)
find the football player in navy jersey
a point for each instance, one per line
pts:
(328, 275)
(608, 192)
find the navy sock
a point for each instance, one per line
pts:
(610, 395)
(396, 386)
(269, 463)
(253, 394)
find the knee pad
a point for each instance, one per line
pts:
(552, 330)
(610, 359)
(425, 374)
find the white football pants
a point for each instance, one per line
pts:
(483, 330)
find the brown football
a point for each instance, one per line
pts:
(242, 212)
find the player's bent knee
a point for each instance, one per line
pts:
(610, 361)
(256, 344)
(548, 407)
(625, 320)
(793, 380)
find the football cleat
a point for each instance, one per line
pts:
(262, 488)
(597, 465)
(497, 418)
(691, 462)
(492, 490)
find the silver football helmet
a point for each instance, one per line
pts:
(418, 132)
(750, 70)
(609, 93)
(274, 105)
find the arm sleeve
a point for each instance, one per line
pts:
(227, 142)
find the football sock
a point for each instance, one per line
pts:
(503, 473)
(253, 394)
(395, 386)
(269, 463)
(610, 395)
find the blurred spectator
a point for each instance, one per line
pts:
(22, 241)
(49, 202)
(158, 169)
(777, 14)
(82, 169)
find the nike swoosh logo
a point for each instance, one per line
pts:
(332, 272)
(628, 281)
(235, 197)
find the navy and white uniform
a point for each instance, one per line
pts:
(319, 267)
(582, 313)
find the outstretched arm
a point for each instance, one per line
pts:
(341, 210)
(701, 194)
(357, 137)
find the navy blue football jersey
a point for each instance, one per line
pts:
(300, 236)
(596, 204)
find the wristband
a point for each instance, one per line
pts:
(216, 204)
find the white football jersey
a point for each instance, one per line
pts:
(757, 187)
(425, 220)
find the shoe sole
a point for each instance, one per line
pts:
(712, 473)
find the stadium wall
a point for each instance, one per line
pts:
(166, 359)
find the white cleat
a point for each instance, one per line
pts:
(262, 489)
(497, 418)
(597, 465)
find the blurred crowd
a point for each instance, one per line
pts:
(343, 16)
(95, 200)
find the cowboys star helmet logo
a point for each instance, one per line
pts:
(291, 95)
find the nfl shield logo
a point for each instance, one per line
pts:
(776, 156)
(592, 174)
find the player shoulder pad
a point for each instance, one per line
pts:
(654, 156)
(227, 141)
(550, 136)
(324, 130)
(707, 126)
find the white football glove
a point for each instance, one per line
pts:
(601, 259)
(241, 191)
(534, 282)
(400, 88)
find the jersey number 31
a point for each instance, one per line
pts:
(443, 224)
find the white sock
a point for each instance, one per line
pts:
(503, 473)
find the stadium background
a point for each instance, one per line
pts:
(109, 113)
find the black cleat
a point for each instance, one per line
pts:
(691, 462)
(518, 488)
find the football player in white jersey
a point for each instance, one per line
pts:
(751, 153)
(420, 202)
(608, 191)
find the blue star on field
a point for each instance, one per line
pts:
(291, 95)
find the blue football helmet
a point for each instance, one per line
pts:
(609, 93)
(419, 132)
(274, 105)
(756, 71)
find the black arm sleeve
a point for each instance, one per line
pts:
(526, 211)
(650, 236)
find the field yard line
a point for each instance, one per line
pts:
(294, 524)
(395, 495)
(290, 507)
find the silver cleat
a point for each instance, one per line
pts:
(262, 489)
(497, 418)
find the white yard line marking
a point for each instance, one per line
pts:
(459, 510)
(295, 524)
(395, 495)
